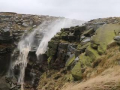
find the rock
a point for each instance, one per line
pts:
(89, 32)
(82, 37)
(66, 29)
(86, 40)
(65, 38)
(56, 37)
(82, 48)
(92, 53)
(77, 59)
(85, 60)
(82, 28)
(94, 45)
(51, 52)
(34, 26)
(71, 48)
(64, 33)
(98, 24)
(76, 71)
(53, 44)
(117, 39)
(25, 24)
(69, 77)
(71, 38)
(77, 53)
(49, 60)
(103, 39)
(60, 55)
(63, 46)
(6, 30)
(77, 30)
(5, 37)
(70, 60)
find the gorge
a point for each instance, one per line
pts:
(54, 53)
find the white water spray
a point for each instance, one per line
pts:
(45, 31)
(51, 30)
(24, 47)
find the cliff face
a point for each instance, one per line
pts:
(13, 28)
(76, 54)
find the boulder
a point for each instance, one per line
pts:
(85, 60)
(5, 37)
(71, 48)
(63, 46)
(51, 52)
(70, 60)
(86, 40)
(77, 52)
(117, 39)
(82, 48)
(64, 33)
(77, 30)
(89, 32)
(53, 44)
(25, 24)
(98, 24)
(82, 37)
(65, 29)
(92, 53)
(76, 71)
(104, 35)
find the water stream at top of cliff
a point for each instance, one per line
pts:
(43, 33)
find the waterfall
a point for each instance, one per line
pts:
(51, 30)
(38, 41)
(24, 46)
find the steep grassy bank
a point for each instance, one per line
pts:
(105, 74)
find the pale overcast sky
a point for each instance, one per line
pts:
(75, 9)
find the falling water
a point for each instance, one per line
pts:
(51, 30)
(24, 47)
(22, 62)
(45, 32)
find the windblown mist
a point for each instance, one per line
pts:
(50, 31)
(38, 40)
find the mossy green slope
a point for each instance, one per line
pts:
(104, 35)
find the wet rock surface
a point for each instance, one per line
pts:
(13, 28)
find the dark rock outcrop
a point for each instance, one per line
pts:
(78, 47)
